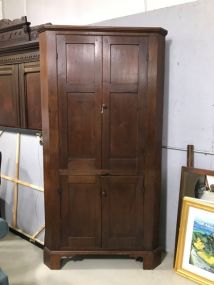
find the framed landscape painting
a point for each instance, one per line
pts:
(195, 250)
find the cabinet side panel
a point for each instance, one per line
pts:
(51, 138)
(154, 141)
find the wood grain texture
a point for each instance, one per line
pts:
(50, 127)
(20, 96)
(9, 100)
(30, 95)
(102, 100)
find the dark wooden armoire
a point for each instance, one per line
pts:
(102, 101)
(20, 98)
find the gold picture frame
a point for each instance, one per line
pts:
(191, 180)
(195, 250)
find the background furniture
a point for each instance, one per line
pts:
(102, 99)
(20, 98)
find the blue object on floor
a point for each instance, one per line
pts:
(3, 278)
(3, 228)
(3, 232)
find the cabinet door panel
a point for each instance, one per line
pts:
(79, 95)
(30, 73)
(81, 127)
(124, 93)
(81, 215)
(122, 212)
(123, 125)
(9, 96)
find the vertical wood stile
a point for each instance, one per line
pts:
(190, 155)
(15, 193)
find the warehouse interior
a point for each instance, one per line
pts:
(187, 120)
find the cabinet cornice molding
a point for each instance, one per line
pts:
(20, 58)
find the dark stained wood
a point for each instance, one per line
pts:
(102, 100)
(151, 259)
(153, 141)
(103, 30)
(9, 101)
(124, 65)
(122, 212)
(19, 52)
(50, 128)
(79, 65)
(52, 260)
(31, 95)
(190, 155)
(81, 213)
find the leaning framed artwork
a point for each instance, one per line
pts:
(195, 250)
(195, 183)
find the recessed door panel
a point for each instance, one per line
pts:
(123, 132)
(124, 68)
(124, 94)
(81, 125)
(81, 212)
(9, 96)
(79, 96)
(122, 212)
(80, 63)
(30, 95)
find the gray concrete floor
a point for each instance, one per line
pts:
(23, 263)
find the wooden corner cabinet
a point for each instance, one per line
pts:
(102, 100)
(20, 96)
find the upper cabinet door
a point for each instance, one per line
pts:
(30, 95)
(79, 95)
(9, 96)
(124, 93)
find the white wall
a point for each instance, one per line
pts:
(189, 93)
(1, 10)
(157, 4)
(13, 9)
(81, 12)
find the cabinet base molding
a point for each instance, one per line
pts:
(151, 259)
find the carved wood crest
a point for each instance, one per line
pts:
(14, 32)
(18, 31)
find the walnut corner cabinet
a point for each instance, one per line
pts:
(102, 101)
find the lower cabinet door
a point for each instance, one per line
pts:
(81, 213)
(122, 212)
(101, 213)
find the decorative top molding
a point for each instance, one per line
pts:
(9, 24)
(34, 34)
(14, 32)
(103, 29)
(20, 58)
(17, 33)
